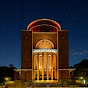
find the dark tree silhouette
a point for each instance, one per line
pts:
(6, 72)
(82, 69)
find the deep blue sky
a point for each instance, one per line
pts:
(15, 15)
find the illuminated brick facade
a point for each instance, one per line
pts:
(44, 52)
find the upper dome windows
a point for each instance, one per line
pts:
(44, 25)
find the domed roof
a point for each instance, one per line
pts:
(44, 25)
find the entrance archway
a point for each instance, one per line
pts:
(44, 60)
(45, 43)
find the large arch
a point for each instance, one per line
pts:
(44, 43)
(50, 25)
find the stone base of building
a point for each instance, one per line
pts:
(27, 75)
(24, 78)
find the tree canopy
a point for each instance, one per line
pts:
(6, 72)
(82, 69)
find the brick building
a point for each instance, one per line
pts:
(44, 52)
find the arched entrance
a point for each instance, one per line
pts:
(44, 57)
(44, 44)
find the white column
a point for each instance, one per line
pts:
(55, 65)
(47, 68)
(35, 57)
(51, 66)
(37, 66)
(42, 66)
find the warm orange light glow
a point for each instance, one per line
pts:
(46, 81)
(39, 20)
(44, 44)
(46, 65)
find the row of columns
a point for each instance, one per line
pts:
(53, 65)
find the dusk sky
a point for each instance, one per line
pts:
(15, 15)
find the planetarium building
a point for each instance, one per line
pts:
(44, 52)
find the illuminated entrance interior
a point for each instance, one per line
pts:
(44, 57)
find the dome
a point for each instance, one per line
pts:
(44, 25)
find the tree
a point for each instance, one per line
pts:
(11, 66)
(82, 69)
(6, 72)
